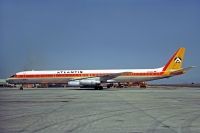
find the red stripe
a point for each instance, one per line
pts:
(166, 66)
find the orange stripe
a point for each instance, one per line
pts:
(170, 61)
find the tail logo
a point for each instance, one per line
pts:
(178, 60)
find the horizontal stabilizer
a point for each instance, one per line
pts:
(181, 71)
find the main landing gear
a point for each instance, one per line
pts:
(142, 85)
(98, 87)
(21, 88)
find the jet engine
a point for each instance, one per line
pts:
(83, 82)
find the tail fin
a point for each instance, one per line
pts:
(176, 61)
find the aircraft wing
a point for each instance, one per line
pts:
(111, 76)
(103, 78)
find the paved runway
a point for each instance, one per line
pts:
(57, 110)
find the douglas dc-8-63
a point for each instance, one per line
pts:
(96, 78)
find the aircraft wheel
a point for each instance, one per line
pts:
(21, 88)
(142, 85)
(96, 87)
(108, 86)
(100, 87)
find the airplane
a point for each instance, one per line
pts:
(96, 78)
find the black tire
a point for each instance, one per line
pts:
(96, 87)
(21, 88)
(100, 87)
(143, 86)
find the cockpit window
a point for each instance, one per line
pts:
(12, 76)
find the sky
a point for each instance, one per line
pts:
(98, 34)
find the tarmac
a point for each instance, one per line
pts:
(125, 110)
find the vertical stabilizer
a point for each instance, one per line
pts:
(176, 61)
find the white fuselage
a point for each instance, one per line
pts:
(64, 76)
